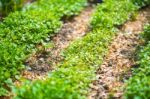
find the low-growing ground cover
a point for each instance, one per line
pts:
(46, 58)
(118, 62)
(82, 57)
(138, 86)
(21, 31)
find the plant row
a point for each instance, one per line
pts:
(82, 58)
(21, 31)
(138, 87)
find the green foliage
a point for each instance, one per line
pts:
(21, 31)
(82, 58)
(138, 87)
(146, 33)
(72, 78)
(18, 38)
(7, 6)
(59, 7)
(141, 2)
(109, 15)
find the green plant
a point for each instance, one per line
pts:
(60, 8)
(138, 87)
(108, 14)
(21, 31)
(139, 84)
(18, 38)
(141, 3)
(146, 33)
(82, 58)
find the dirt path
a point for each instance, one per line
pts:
(40, 63)
(120, 59)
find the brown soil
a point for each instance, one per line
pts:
(119, 60)
(40, 63)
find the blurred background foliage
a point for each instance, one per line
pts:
(7, 6)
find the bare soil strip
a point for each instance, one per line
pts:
(40, 63)
(119, 60)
